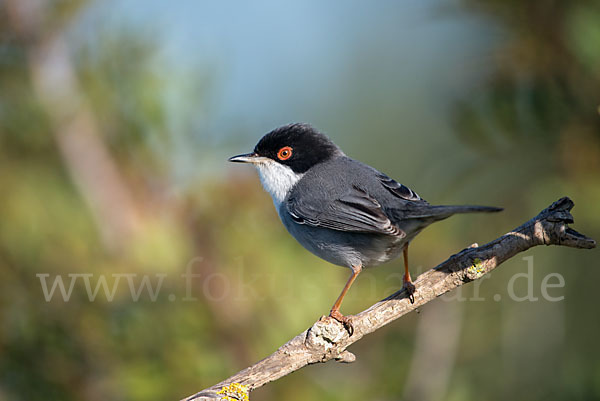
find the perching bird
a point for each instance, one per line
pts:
(338, 208)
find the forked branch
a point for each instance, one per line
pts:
(327, 339)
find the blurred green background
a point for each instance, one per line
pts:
(116, 119)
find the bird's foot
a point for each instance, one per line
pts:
(345, 320)
(410, 290)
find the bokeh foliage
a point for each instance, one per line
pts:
(527, 134)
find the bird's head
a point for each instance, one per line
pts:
(285, 154)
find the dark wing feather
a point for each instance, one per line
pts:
(399, 190)
(355, 211)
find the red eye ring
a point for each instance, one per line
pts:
(284, 153)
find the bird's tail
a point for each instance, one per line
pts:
(442, 212)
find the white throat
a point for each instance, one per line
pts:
(277, 179)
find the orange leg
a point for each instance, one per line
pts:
(407, 283)
(335, 309)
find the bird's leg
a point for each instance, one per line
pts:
(407, 283)
(335, 309)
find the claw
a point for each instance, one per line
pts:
(345, 320)
(409, 287)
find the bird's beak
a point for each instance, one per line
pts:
(245, 158)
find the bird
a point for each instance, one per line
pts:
(340, 209)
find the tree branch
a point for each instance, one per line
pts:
(327, 339)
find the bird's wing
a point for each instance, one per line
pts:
(399, 190)
(354, 211)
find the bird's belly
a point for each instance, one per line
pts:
(346, 249)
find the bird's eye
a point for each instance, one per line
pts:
(284, 153)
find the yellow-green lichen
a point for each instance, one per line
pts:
(476, 269)
(234, 392)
